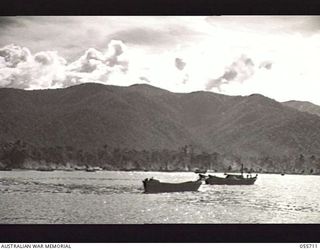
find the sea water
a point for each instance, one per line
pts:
(108, 197)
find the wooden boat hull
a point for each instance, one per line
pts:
(155, 186)
(214, 180)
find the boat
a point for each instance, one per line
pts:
(80, 168)
(199, 171)
(230, 180)
(155, 186)
(68, 169)
(90, 170)
(45, 169)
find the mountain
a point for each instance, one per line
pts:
(304, 107)
(143, 117)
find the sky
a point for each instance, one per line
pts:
(276, 56)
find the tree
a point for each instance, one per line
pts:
(14, 155)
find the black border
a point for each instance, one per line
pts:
(159, 7)
(165, 233)
(216, 233)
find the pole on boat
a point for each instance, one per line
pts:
(241, 168)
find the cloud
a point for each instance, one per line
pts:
(7, 22)
(57, 33)
(89, 62)
(115, 50)
(144, 79)
(47, 58)
(12, 55)
(306, 25)
(94, 59)
(214, 83)
(266, 65)
(140, 36)
(165, 35)
(97, 66)
(185, 79)
(210, 47)
(46, 69)
(240, 70)
(20, 69)
(179, 63)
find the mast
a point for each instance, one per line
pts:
(241, 169)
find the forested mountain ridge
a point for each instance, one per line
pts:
(304, 106)
(141, 118)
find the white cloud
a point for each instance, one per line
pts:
(20, 69)
(240, 70)
(181, 54)
(12, 55)
(46, 69)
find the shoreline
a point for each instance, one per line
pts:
(161, 171)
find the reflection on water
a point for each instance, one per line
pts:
(117, 197)
(12, 186)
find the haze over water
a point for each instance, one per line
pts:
(117, 197)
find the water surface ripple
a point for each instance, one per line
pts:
(117, 197)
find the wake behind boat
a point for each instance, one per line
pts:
(155, 186)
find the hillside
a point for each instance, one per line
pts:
(89, 115)
(145, 117)
(141, 117)
(304, 107)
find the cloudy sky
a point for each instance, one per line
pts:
(277, 56)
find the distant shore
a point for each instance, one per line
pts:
(21, 155)
(139, 170)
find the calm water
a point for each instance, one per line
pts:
(116, 197)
